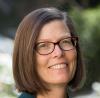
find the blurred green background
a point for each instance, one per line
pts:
(86, 17)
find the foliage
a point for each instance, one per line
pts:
(1, 67)
(6, 91)
(87, 23)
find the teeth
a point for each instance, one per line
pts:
(58, 66)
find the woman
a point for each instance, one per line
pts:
(46, 59)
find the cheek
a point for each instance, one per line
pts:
(41, 61)
(72, 59)
(72, 55)
(42, 66)
(73, 66)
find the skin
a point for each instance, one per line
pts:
(56, 79)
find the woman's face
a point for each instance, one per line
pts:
(59, 66)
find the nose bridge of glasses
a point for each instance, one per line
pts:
(58, 45)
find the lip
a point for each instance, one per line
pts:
(58, 64)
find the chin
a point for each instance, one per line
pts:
(59, 81)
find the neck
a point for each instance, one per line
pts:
(57, 92)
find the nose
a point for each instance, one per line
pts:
(58, 52)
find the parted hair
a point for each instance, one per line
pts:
(24, 65)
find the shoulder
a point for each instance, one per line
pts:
(26, 95)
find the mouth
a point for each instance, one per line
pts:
(58, 66)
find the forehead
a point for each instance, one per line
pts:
(54, 30)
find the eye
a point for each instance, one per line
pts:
(42, 45)
(66, 41)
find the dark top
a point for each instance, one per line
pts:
(27, 95)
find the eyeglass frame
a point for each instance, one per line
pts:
(57, 43)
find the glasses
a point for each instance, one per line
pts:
(66, 44)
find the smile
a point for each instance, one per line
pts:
(58, 66)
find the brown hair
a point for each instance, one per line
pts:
(24, 68)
